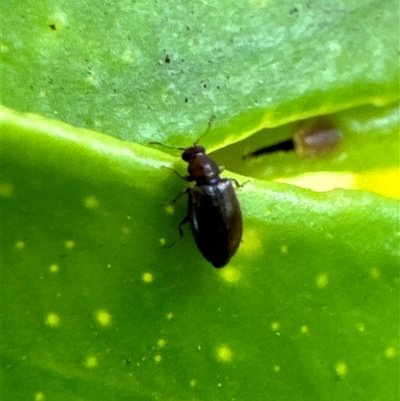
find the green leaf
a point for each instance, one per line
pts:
(95, 308)
(369, 140)
(153, 69)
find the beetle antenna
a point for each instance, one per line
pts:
(208, 129)
(166, 146)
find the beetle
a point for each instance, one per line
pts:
(214, 211)
(312, 138)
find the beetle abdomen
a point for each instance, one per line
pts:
(216, 220)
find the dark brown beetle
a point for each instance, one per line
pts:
(213, 209)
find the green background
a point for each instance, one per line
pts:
(93, 305)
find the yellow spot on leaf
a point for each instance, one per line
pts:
(54, 268)
(251, 242)
(277, 368)
(391, 352)
(341, 369)
(275, 326)
(170, 315)
(284, 249)
(193, 383)
(147, 277)
(19, 245)
(40, 396)
(322, 280)
(224, 354)
(162, 241)
(103, 317)
(170, 209)
(158, 358)
(230, 274)
(91, 362)
(161, 343)
(69, 244)
(52, 320)
(91, 202)
(361, 327)
(304, 329)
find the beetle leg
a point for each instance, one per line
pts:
(237, 183)
(221, 169)
(184, 177)
(184, 221)
(179, 195)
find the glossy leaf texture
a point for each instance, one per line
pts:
(154, 69)
(95, 308)
(366, 155)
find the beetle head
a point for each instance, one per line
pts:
(192, 152)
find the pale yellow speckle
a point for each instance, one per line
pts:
(4, 48)
(59, 18)
(92, 79)
(40, 396)
(321, 182)
(91, 202)
(103, 317)
(275, 326)
(361, 327)
(304, 329)
(277, 368)
(322, 280)
(375, 273)
(161, 343)
(170, 209)
(251, 242)
(20, 245)
(6, 190)
(341, 369)
(52, 320)
(69, 244)
(230, 274)
(158, 358)
(193, 383)
(127, 56)
(54, 268)
(147, 277)
(125, 230)
(162, 241)
(391, 352)
(91, 362)
(170, 315)
(224, 354)
(284, 249)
